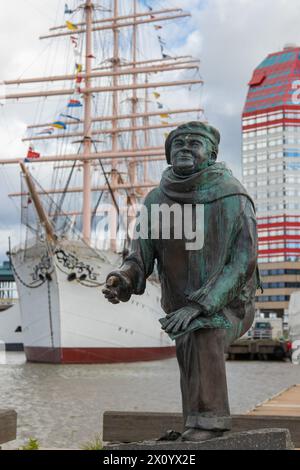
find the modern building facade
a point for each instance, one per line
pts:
(8, 289)
(271, 173)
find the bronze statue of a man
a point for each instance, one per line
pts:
(208, 293)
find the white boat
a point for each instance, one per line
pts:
(115, 113)
(70, 321)
(11, 335)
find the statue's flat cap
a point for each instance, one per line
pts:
(193, 127)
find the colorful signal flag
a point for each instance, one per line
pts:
(74, 104)
(68, 11)
(32, 155)
(71, 26)
(59, 125)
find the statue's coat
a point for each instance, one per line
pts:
(223, 275)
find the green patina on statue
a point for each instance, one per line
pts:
(208, 294)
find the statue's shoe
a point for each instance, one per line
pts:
(199, 435)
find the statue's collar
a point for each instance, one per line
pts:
(187, 188)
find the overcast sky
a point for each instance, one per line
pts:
(231, 37)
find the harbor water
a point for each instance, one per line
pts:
(62, 405)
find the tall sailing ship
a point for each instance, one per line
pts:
(97, 142)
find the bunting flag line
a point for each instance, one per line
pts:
(74, 104)
(78, 64)
(71, 26)
(148, 6)
(59, 125)
(163, 44)
(160, 105)
(70, 117)
(164, 123)
(164, 116)
(157, 27)
(67, 10)
(156, 94)
(32, 155)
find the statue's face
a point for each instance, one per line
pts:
(188, 152)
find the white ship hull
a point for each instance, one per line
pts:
(11, 335)
(70, 321)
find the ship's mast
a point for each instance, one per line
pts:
(134, 99)
(115, 112)
(86, 132)
(87, 140)
(44, 219)
(115, 61)
(146, 125)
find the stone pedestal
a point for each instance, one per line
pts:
(8, 426)
(263, 439)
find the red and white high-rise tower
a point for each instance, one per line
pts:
(271, 173)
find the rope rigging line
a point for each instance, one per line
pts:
(74, 231)
(107, 182)
(63, 196)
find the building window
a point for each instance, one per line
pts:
(262, 169)
(262, 195)
(275, 116)
(261, 145)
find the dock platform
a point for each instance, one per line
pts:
(285, 403)
(281, 411)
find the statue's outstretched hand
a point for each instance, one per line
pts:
(180, 319)
(117, 289)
